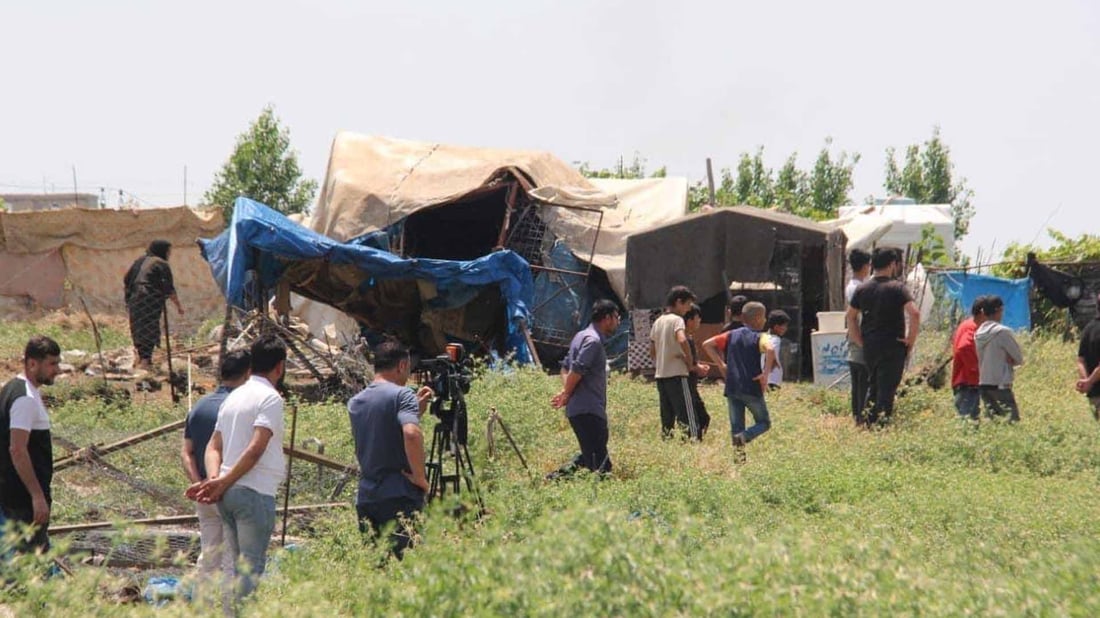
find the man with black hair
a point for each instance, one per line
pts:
(26, 453)
(998, 355)
(197, 430)
(964, 362)
(734, 306)
(859, 261)
(584, 389)
(671, 354)
(1088, 363)
(389, 446)
(877, 322)
(245, 462)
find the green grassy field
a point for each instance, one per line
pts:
(928, 517)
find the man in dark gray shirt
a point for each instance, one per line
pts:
(584, 394)
(389, 445)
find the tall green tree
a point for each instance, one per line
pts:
(928, 177)
(635, 169)
(817, 193)
(263, 167)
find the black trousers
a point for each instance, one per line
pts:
(861, 389)
(374, 516)
(591, 432)
(885, 363)
(39, 541)
(701, 413)
(677, 406)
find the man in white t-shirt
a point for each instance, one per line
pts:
(671, 354)
(246, 451)
(26, 453)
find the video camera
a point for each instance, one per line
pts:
(449, 375)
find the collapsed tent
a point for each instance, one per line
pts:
(53, 259)
(430, 200)
(425, 302)
(785, 261)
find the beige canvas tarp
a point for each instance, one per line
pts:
(372, 182)
(53, 258)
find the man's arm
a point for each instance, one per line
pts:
(213, 456)
(212, 490)
(854, 334)
(1086, 380)
(914, 324)
(414, 452)
(21, 459)
(190, 466)
(710, 346)
(685, 349)
(1012, 350)
(769, 365)
(571, 380)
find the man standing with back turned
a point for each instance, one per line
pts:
(246, 463)
(26, 453)
(876, 322)
(389, 446)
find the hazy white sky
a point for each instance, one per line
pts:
(131, 92)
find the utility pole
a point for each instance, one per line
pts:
(76, 197)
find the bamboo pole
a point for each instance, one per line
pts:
(175, 519)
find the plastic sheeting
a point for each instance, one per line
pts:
(964, 287)
(264, 240)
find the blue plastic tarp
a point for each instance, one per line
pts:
(264, 240)
(963, 287)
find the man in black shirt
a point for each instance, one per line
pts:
(733, 313)
(876, 322)
(1088, 363)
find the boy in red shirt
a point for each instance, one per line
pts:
(964, 366)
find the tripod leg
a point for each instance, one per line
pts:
(469, 476)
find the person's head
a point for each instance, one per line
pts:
(860, 262)
(605, 316)
(994, 308)
(160, 248)
(754, 315)
(778, 321)
(235, 368)
(269, 358)
(977, 309)
(735, 306)
(41, 360)
(884, 260)
(693, 318)
(679, 299)
(392, 362)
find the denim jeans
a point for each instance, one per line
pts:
(761, 421)
(967, 399)
(248, 519)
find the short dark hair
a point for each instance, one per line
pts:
(883, 257)
(978, 307)
(992, 304)
(736, 304)
(40, 347)
(389, 354)
(858, 258)
(235, 364)
(693, 313)
(679, 293)
(603, 308)
(267, 352)
(778, 317)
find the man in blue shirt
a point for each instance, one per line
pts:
(584, 395)
(197, 430)
(389, 445)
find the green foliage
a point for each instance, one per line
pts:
(3, 205)
(634, 170)
(1013, 265)
(931, 516)
(816, 193)
(928, 178)
(70, 332)
(932, 250)
(264, 168)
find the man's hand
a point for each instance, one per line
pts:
(417, 479)
(559, 400)
(192, 491)
(763, 380)
(41, 510)
(701, 369)
(1083, 386)
(210, 491)
(424, 396)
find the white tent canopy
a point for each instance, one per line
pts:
(906, 222)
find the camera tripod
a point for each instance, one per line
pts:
(449, 445)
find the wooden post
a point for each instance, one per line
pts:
(710, 184)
